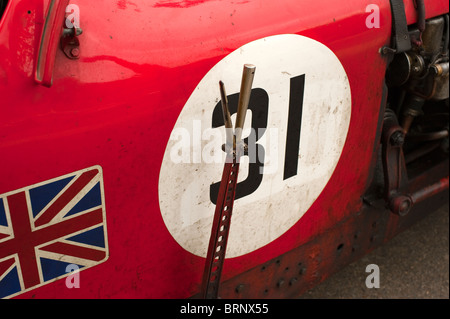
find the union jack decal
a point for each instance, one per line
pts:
(48, 226)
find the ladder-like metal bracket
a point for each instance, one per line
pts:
(234, 149)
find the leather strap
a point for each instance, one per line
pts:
(401, 40)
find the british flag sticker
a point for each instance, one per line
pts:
(46, 227)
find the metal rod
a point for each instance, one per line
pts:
(431, 136)
(418, 153)
(430, 190)
(244, 97)
(226, 118)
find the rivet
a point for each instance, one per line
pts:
(75, 52)
(239, 288)
(293, 281)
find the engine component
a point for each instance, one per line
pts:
(441, 81)
(405, 65)
(396, 179)
(422, 72)
(432, 36)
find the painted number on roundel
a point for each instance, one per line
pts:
(258, 105)
(296, 127)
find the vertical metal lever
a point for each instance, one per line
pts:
(244, 97)
(230, 145)
(225, 198)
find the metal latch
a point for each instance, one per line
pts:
(70, 43)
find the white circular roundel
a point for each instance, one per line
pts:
(297, 123)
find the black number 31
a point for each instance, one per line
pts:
(259, 106)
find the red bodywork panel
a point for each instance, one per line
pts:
(117, 104)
